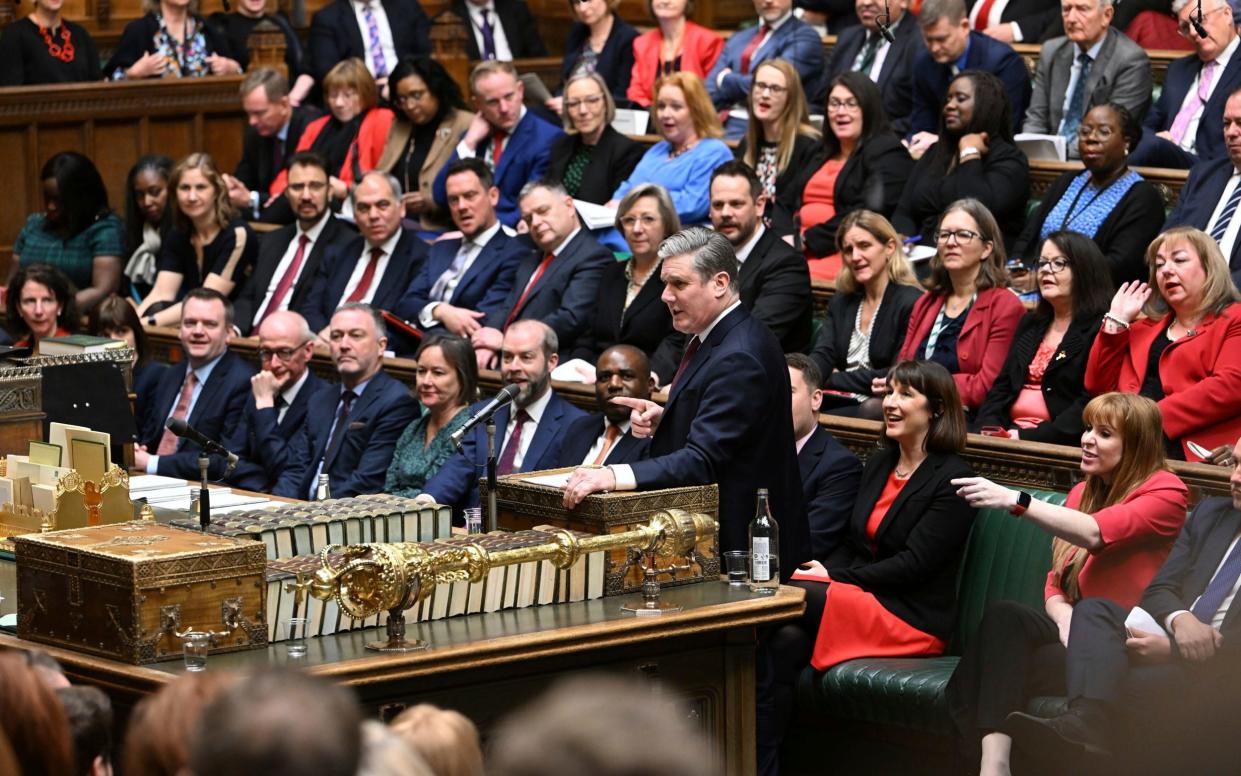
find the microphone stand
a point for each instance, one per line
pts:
(492, 515)
(1196, 21)
(884, 23)
(204, 499)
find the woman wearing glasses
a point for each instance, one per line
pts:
(430, 119)
(860, 164)
(1107, 202)
(591, 158)
(966, 320)
(974, 157)
(1038, 395)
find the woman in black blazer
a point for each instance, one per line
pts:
(584, 52)
(1039, 394)
(974, 158)
(170, 41)
(866, 317)
(628, 309)
(591, 159)
(889, 587)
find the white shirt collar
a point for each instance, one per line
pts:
(535, 408)
(388, 246)
(702, 336)
(778, 23)
(1226, 55)
(316, 230)
(743, 252)
(290, 393)
(485, 236)
(802, 442)
(567, 240)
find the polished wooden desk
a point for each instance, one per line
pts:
(487, 665)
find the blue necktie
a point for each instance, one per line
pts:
(489, 37)
(1220, 585)
(1073, 119)
(1225, 217)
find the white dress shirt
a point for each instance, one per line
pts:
(881, 51)
(503, 52)
(1074, 73)
(286, 261)
(1234, 226)
(993, 18)
(1217, 621)
(290, 394)
(471, 249)
(535, 411)
(1190, 141)
(488, 143)
(201, 375)
(743, 252)
(740, 109)
(385, 34)
(359, 268)
(602, 439)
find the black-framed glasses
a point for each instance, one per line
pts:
(1054, 266)
(763, 86)
(963, 236)
(284, 354)
(1102, 131)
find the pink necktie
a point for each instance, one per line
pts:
(168, 442)
(1181, 123)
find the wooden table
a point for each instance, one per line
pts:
(487, 665)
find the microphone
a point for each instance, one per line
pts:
(186, 431)
(1196, 21)
(505, 396)
(885, 22)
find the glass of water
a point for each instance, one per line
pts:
(194, 648)
(737, 565)
(295, 636)
(473, 520)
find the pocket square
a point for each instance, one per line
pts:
(357, 424)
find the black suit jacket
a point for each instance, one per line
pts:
(615, 61)
(728, 420)
(613, 159)
(647, 324)
(911, 566)
(581, 435)
(775, 288)
(335, 35)
(520, 29)
(873, 178)
(376, 421)
(829, 478)
(1062, 382)
(1209, 141)
(261, 441)
(1123, 235)
(272, 247)
(887, 334)
(564, 294)
(215, 415)
(257, 168)
(895, 79)
(1198, 199)
(337, 266)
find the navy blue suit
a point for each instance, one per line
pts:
(931, 79)
(895, 78)
(456, 483)
(485, 285)
(1154, 151)
(728, 420)
(376, 421)
(564, 297)
(261, 442)
(523, 159)
(1199, 197)
(336, 267)
(830, 475)
(335, 35)
(582, 434)
(215, 415)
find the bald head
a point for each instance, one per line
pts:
(285, 346)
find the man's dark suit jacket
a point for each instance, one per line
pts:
(456, 482)
(829, 478)
(335, 35)
(1038, 19)
(646, 324)
(257, 168)
(611, 161)
(564, 294)
(1201, 194)
(1209, 141)
(931, 79)
(887, 334)
(271, 249)
(337, 266)
(215, 415)
(895, 78)
(775, 288)
(520, 29)
(728, 420)
(262, 443)
(484, 287)
(582, 434)
(376, 421)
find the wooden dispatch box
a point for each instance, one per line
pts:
(521, 505)
(125, 591)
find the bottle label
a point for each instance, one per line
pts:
(760, 559)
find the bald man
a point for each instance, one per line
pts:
(277, 405)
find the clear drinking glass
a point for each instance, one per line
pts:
(194, 648)
(295, 636)
(737, 566)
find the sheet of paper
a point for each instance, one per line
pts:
(46, 454)
(56, 434)
(1140, 619)
(44, 498)
(631, 122)
(575, 370)
(1047, 148)
(595, 216)
(91, 435)
(560, 481)
(90, 458)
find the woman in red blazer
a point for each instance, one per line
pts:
(967, 319)
(677, 44)
(1111, 536)
(1188, 361)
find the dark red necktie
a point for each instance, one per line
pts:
(368, 276)
(685, 359)
(505, 465)
(286, 282)
(753, 45)
(534, 280)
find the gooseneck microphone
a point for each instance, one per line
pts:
(505, 396)
(884, 22)
(1196, 21)
(186, 431)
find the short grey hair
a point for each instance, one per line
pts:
(664, 204)
(551, 342)
(275, 86)
(391, 179)
(381, 328)
(556, 188)
(1177, 5)
(934, 10)
(711, 251)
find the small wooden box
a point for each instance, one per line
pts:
(521, 504)
(124, 591)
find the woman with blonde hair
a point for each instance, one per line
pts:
(446, 739)
(867, 316)
(591, 158)
(1111, 536)
(690, 151)
(209, 246)
(780, 142)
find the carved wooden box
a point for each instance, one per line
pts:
(126, 591)
(521, 504)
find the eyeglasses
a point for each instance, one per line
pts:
(763, 86)
(591, 102)
(1054, 266)
(849, 103)
(405, 100)
(963, 236)
(284, 354)
(629, 222)
(1102, 132)
(1184, 28)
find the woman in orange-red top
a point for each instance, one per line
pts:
(1112, 535)
(39, 304)
(675, 45)
(889, 588)
(352, 136)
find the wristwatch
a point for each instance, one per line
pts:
(1023, 503)
(968, 151)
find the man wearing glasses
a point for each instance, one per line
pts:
(1184, 126)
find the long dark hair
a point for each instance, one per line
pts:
(869, 99)
(83, 197)
(439, 82)
(56, 282)
(134, 220)
(459, 354)
(993, 114)
(1092, 276)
